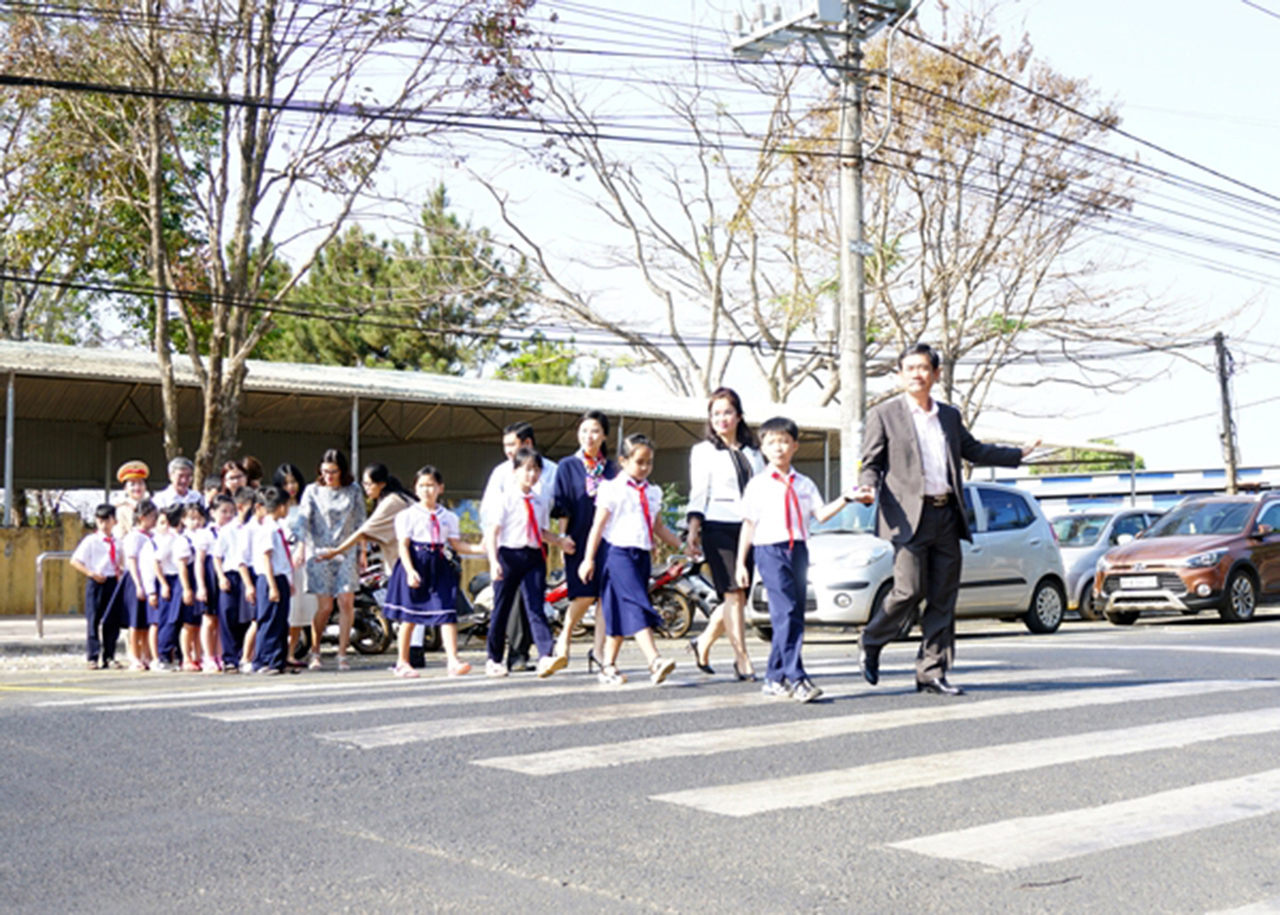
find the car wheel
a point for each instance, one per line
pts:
(1121, 617)
(764, 633)
(1240, 599)
(1088, 606)
(1047, 605)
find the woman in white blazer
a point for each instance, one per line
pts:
(719, 470)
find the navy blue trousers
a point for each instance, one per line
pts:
(170, 622)
(231, 631)
(784, 571)
(103, 613)
(523, 570)
(273, 624)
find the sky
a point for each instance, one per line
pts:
(1195, 80)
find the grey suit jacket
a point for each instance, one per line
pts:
(891, 464)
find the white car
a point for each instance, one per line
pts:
(1012, 570)
(1083, 536)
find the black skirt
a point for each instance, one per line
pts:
(720, 547)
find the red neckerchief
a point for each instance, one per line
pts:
(791, 500)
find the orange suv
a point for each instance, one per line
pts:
(1220, 552)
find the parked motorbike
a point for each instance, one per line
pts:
(673, 589)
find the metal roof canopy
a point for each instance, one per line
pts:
(81, 411)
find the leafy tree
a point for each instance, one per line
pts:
(259, 113)
(1084, 460)
(435, 302)
(543, 361)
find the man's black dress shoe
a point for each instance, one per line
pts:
(869, 661)
(938, 686)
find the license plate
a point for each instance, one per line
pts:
(1139, 582)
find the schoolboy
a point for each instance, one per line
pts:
(100, 559)
(273, 570)
(777, 505)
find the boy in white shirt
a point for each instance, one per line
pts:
(100, 559)
(519, 528)
(776, 508)
(273, 573)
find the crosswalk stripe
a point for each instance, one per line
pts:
(707, 743)
(1027, 841)
(1265, 907)
(531, 691)
(418, 731)
(811, 789)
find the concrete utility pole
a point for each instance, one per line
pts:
(849, 22)
(1225, 368)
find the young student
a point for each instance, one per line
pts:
(423, 590)
(191, 572)
(139, 590)
(227, 559)
(165, 618)
(273, 572)
(243, 562)
(627, 520)
(519, 526)
(515, 436)
(776, 507)
(223, 508)
(99, 558)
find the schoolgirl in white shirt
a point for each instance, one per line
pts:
(139, 592)
(223, 509)
(628, 518)
(423, 590)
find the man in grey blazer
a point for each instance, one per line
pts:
(911, 456)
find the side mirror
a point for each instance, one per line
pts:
(1262, 530)
(1122, 539)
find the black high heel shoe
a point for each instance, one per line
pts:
(592, 663)
(697, 658)
(749, 676)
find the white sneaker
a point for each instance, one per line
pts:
(774, 689)
(495, 669)
(161, 666)
(246, 667)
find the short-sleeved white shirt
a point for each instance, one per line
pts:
(94, 553)
(224, 546)
(140, 547)
(203, 539)
(512, 518)
(502, 480)
(169, 496)
(627, 526)
(269, 537)
(414, 523)
(765, 504)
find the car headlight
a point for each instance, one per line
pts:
(1205, 560)
(860, 559)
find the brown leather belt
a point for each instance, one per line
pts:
(938, 501)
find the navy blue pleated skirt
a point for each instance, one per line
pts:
(624, 590)
(435, 601)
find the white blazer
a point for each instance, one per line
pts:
(713, 482)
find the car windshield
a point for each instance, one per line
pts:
(1079, 530)
(1202, 517)
(854, 518)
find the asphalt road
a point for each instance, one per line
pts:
(1099, 769)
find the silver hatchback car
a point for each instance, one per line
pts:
(1083, 536)
(1012, 570)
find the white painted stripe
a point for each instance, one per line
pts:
(1265, 907)
(707, 743)
(1027, 841)
(418, 731)
(815, 788)
(1125, 646)
(434, 701)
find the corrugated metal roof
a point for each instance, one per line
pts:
(139, 367)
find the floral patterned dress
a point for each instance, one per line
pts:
(327, 515)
